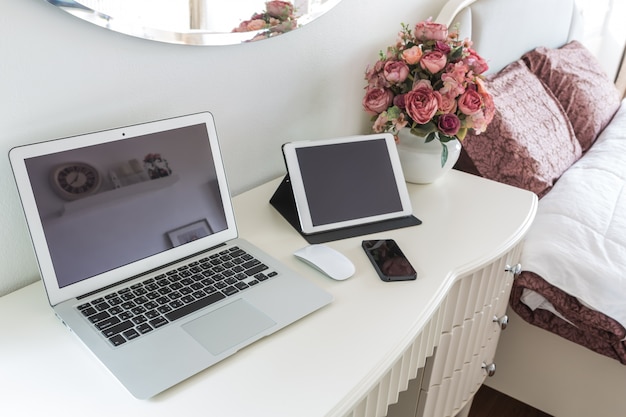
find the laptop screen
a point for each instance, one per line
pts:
(115, 202)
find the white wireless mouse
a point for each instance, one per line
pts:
(327, 260)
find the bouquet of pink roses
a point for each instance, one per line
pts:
(278, 17)
(430, 82)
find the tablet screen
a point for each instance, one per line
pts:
(347, 181)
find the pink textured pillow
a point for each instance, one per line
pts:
(573, 74)
(530, 141)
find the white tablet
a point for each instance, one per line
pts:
(345, 182)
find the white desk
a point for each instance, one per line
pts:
(350, 358)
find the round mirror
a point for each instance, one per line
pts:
(198, 22)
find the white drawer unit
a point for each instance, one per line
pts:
(458, 355)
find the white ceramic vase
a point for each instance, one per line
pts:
(421, 161)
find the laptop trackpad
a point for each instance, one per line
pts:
(228, 326)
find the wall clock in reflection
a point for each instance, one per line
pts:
(75, 180)
(198, 22)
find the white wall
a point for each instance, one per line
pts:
(604, 31)
(60, 76)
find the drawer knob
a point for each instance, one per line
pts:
(515, 269)
(490, 369)
(502, 321)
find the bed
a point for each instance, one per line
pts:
(573, 278)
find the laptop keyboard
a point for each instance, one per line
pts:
(131, 312)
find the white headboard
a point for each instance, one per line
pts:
(503, 30)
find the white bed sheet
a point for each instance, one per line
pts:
(578, 240)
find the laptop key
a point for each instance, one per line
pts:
(158, 322)
(102, 306)
(88, 311)
(125, 315)
(255, 270)
(117, 340)
(101, 325)
(261, 277)
(152, 314)
(164, 309)
(150, 305)
(188, 299)
(144, 328)
(199, 294)
(128, 305)
(230, 290)
(131, 334)
(195, 306)
(115, 301)
(99, 317)
(118, 328)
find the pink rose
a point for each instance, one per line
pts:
(459, 71)
(480, 120)
(256, 24)
(399, 101)
(470, 102)
(395, 71)
(476, 62)
(250, 25)
(421, 104)
(377, 100)
(477, 122)
(451, 86)
(447, 103)
(380, 124)
(449, 124)
(412, 55)
(443, 47)
(384, 123)
(279, 9)
(429, 30)
(399, 122)
(489, 108)
(282, 27)
(433, 61)
(375, 76)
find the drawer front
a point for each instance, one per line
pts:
(443, 367)
(474, 317)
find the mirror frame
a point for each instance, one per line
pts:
(274, 26)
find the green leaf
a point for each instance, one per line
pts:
(444, 154)
(446, 138)
(424, 130)
(461, 134)
(456, 54)
(431, 136)
(393, 112)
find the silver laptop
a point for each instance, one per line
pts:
(135, 237)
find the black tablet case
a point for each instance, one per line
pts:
(283, 201)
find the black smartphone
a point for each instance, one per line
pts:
(389, 260)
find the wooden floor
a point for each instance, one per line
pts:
(491, 403)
